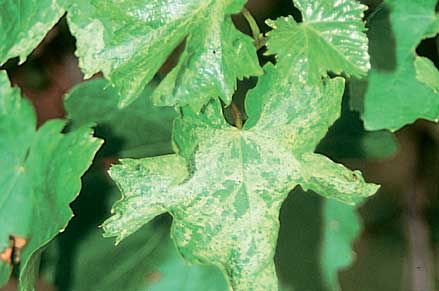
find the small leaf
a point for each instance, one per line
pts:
(330, 38)
(40, 177)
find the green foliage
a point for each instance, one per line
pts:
(427, 73)
(137, 130)
(254, 167)
(223, 185)
(129, 36)
(341, 227)
(396, 92)
(40, 177)
(23, 25)
(226, 214)
(330, 38)
(146, 261)
(129, 41)
(176, 274)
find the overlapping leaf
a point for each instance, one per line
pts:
(398, 91)
(130, 40)
(226, 202)
(137, 130)
(225, 186)
(427, 73)
(40, 176)
(330, 38)
(146, 261)
(23, 25)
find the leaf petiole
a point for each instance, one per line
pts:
(259, 38)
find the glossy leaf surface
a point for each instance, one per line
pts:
(330, 38)
(225, 203)
(130, 40)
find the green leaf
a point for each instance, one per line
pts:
(130, 40)
(330, 38)
(145, 261)
(341, 226)
(137, 130)
(176, 274)
(23, 25)
(427, 73)
(347, 139)
(80, 259)
(397, 93)
(225, 202)
(40, 177)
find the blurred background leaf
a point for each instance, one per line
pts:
(137, 130)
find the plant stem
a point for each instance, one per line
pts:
(252, 23)
(259, 38)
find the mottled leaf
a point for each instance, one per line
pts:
(23, 25)
(225, 202)
(137, 130)
(330, 38)
(130, 40)
(40, 176)
(341, 226)
(396, 93)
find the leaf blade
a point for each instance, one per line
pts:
(394, 96)
(24, 24)
(150, 33)
(39, 178)
(341, 227)
(330, 38)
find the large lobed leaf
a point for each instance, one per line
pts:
(225, 203)
(40, 176)
(130, 40)
(400, 87)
